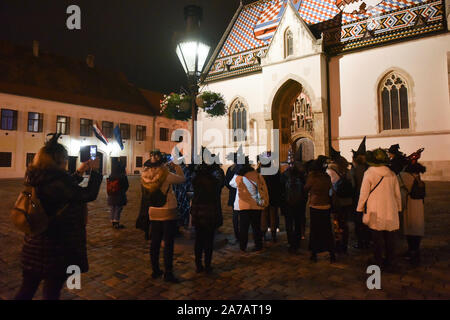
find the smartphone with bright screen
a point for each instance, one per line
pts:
(93, 152)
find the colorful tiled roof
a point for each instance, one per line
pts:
(257, 22)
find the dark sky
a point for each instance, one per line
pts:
(132, 36)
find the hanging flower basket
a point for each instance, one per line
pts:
(176, 106)
(212, 103)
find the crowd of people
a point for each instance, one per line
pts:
(380, 191)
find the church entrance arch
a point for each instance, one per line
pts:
(292, 115)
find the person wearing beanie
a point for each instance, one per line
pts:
(380, 202)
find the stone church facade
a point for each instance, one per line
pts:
(327, 73)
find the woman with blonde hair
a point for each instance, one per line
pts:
(46, 256)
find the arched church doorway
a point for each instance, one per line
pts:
(304, 149)
(292, 115)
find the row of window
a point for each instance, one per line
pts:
(35, 124)
(393, 100)
(6, 160)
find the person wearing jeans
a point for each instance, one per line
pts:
(231, 171)
(157, 178)
(246, 182)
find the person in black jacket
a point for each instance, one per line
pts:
(117, 193)
(231, 171)
(205, 213)
(269, 217)
(47, 256)
(293, 199)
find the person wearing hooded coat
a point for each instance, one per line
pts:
(46, 257)
(380, 202)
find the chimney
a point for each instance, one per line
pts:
(90, 61)
(36, 48)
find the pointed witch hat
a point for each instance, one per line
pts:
(361, 150)
(334, 155)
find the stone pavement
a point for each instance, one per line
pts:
(120, 266)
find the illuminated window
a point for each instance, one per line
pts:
(9, 119)
(394, 102)
(238, 118)
(288, 43)
(63, 125)
(35, 121)
(85, 127)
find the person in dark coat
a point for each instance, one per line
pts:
(117, 199)
(205, 213)
(397, 159)
(293, 199)
(218, 173)
(47, 256)
(231, 171)
(269, 216)
(318, 185)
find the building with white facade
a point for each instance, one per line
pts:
(329, 72)
(42, 93)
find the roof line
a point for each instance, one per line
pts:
(296, 12)
(223, 39)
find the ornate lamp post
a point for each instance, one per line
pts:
(193, 52)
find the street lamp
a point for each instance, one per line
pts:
(193, 52)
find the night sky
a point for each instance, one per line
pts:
(132, 36)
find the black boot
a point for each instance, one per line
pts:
(157, 274)
(169, 277)
(313, 257)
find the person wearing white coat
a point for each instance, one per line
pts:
(380, 191)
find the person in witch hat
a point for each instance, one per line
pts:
(398, 159)
(357, 173)
(413, 209)
(380, 202)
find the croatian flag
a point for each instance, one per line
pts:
(118, 136)
(98, 133)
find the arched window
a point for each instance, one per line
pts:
(238, 114)
(394, 111)
(288, 43)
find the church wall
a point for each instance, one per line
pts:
(354, 87)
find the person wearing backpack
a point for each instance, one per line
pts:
(413, 212)
(47, 254)
(293, 199)
(157, 181)
(318, 186)
(117, 186)
(251, 198)
(342, 200)
(380, 202)
(205, 213)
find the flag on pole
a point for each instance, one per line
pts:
(99, 134)
(118, 136)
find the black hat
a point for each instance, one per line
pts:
(361, 150)
(394, 148)
(334, 154)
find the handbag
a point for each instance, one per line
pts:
(28, 214)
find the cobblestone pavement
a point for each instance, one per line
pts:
(120, 264)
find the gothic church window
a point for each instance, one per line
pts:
(238, 119)
(394, 102)
(288, 43)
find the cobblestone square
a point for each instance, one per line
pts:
(120, 263)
